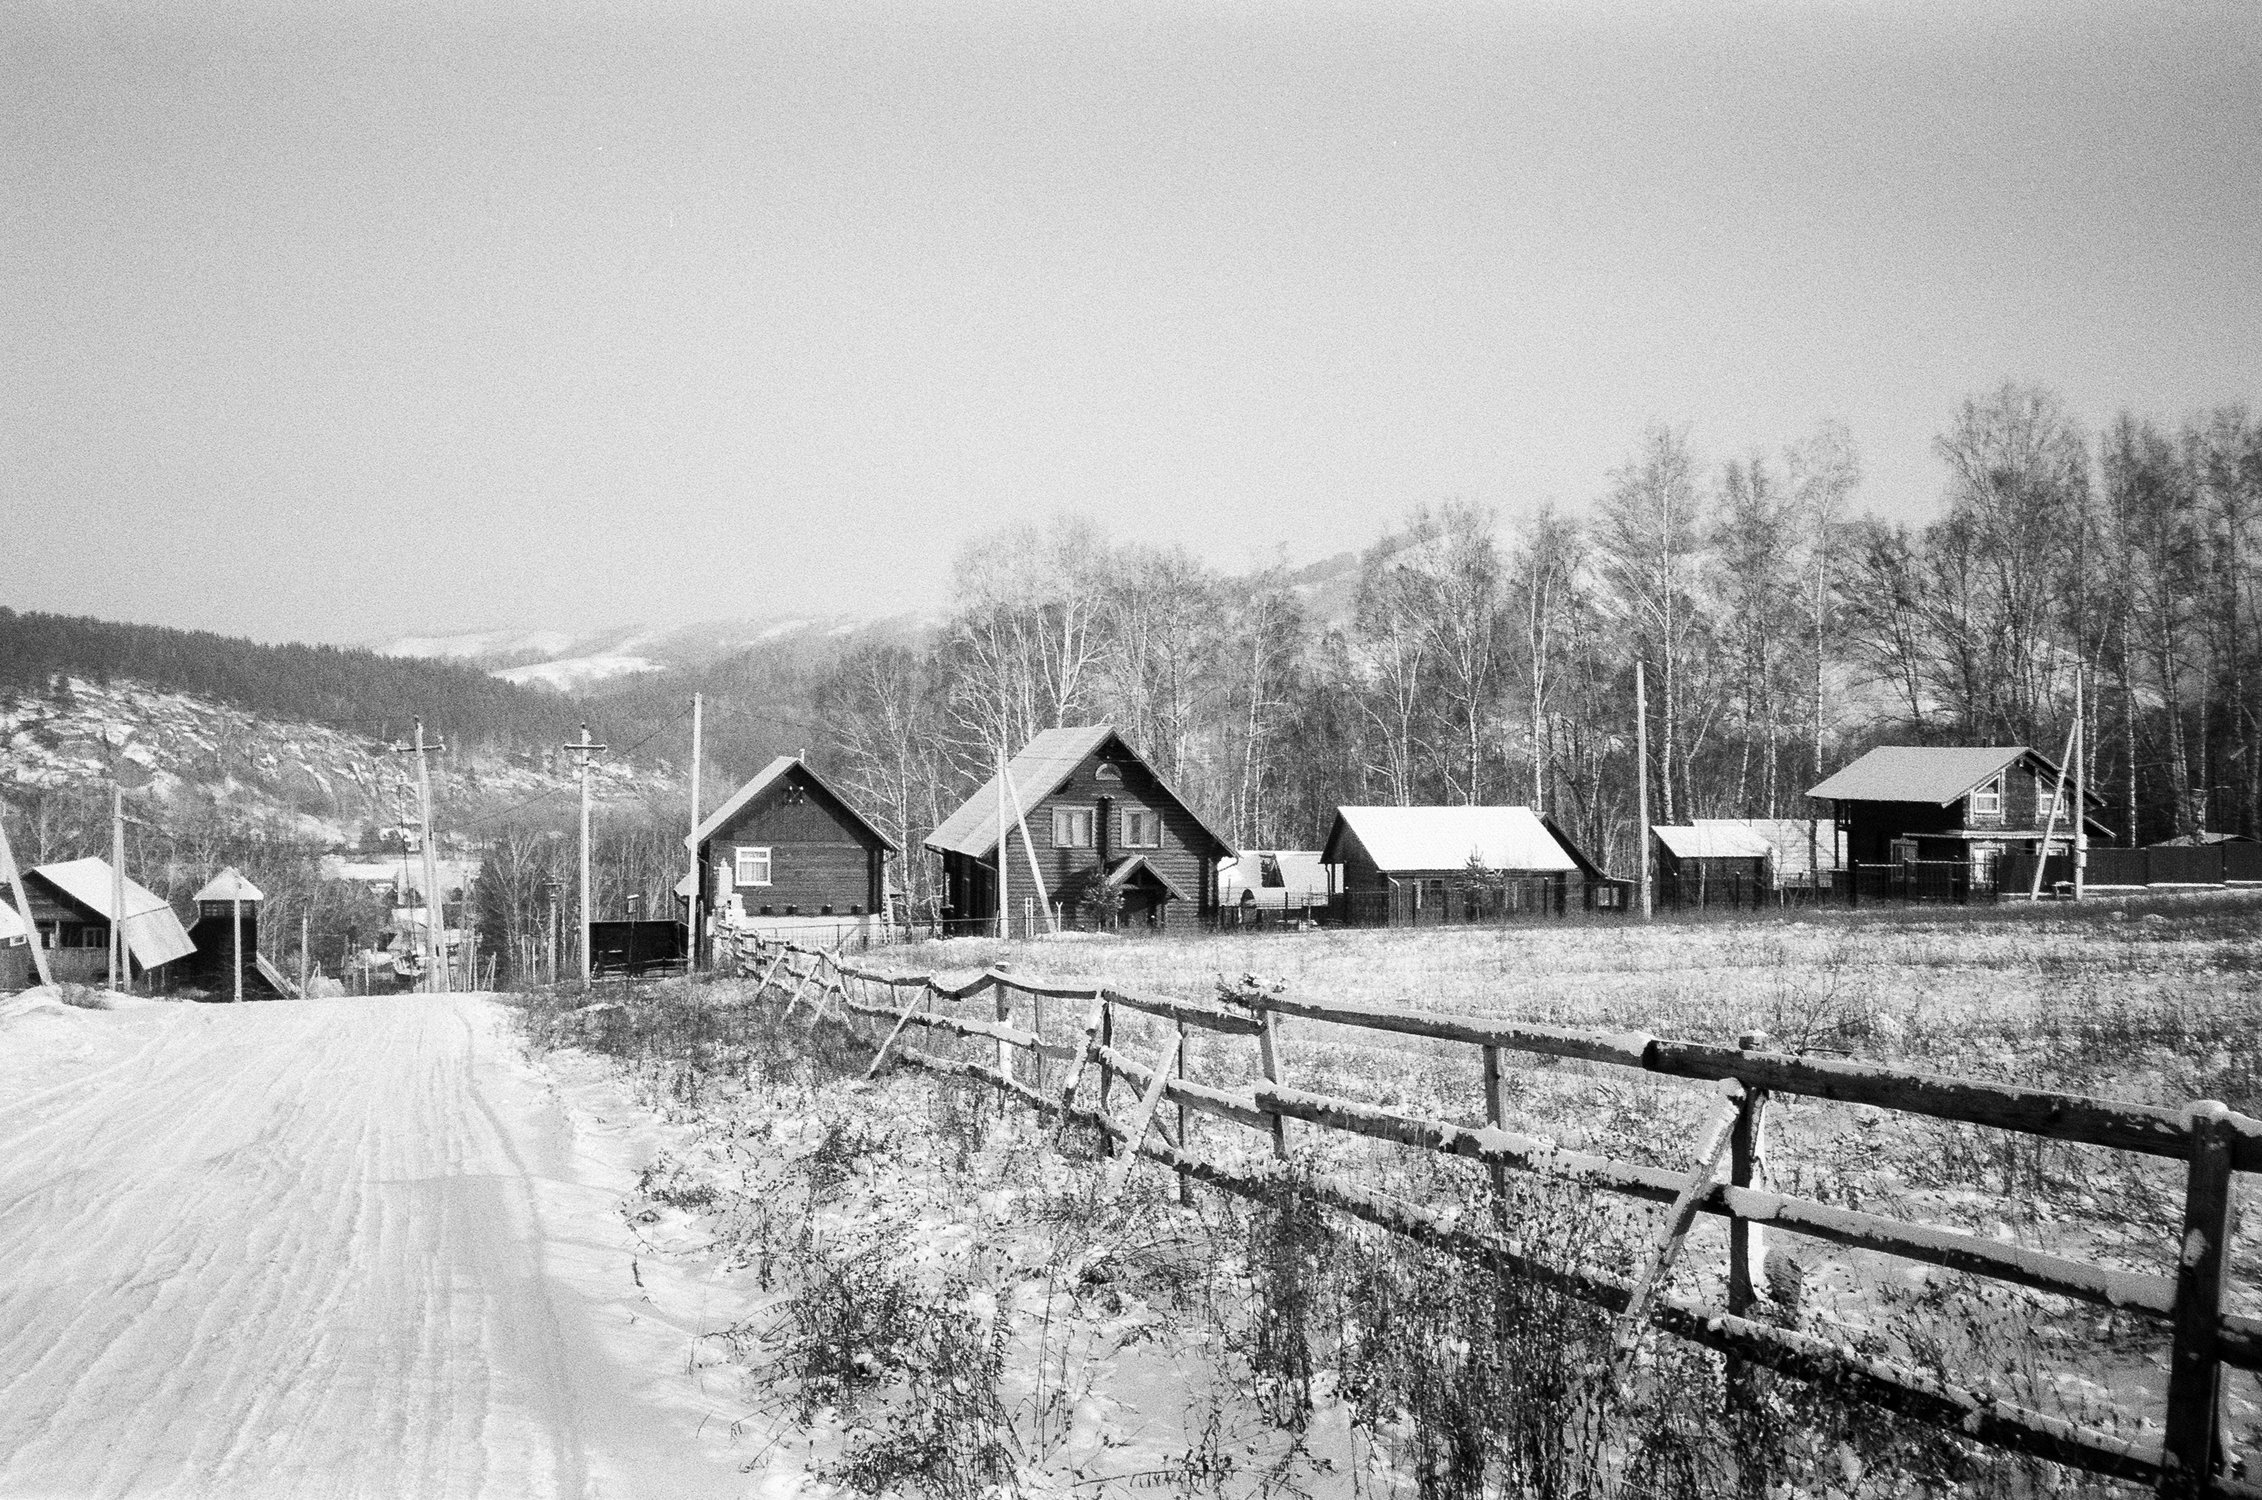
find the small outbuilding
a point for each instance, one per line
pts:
(1266, 885)
(1111, 842)
(17, 970)
(1805, 850)
(787, 852)
(1700, 864)
(71, 906)
(1405, 866)
(227, 912)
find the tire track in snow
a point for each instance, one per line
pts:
(299, 1249)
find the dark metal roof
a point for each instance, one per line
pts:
(1037, 772)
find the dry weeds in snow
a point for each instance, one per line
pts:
(941, 1306)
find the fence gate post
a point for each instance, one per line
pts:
(2188, 1447)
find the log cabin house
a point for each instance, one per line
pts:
(1417, 866)
(1927, 815)
(70, 908)
(1699, 864)
(786, 851)
(1113, 844)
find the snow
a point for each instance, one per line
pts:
(348, 1246)
(577, 671)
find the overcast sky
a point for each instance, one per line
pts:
(341, 321)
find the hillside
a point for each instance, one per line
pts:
(205, 760)
(346, 688)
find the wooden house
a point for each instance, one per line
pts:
(1404, 866)
(1701, 863)
(1804, 850)
(788, 852)
(1112, 843)
(1954, 810)
(71, 905)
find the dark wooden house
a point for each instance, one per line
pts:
(788, 851)
(1113, 843)
(1411, 866)
(71, 904)
(1950, 810)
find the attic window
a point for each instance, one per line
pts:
(1107, 772)
(1987, 801)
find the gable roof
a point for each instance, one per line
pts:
(1136, 864)
(769, 776)
(1301, 871)
(1799, 843)
(1444, 838)
(1037, 772)
(1712, 839)
(1939, 774)
(229, 885)
(153, 933)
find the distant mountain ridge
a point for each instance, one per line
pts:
(586, 661)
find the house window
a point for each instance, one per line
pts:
(753, 866)
(1143, 830)
(1072, 828)
(1904, 851)
(1987, 801)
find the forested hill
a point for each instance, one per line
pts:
(342, 687)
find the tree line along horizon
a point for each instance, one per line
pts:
(1783, 631)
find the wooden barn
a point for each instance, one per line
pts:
(786, 851)
(229, 904)
(1408, 866)
(1936, 819)
(70, 907)
(1698, 864)
(1113, 844)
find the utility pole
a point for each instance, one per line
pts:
(235, 929)
(2080, 818)
(23, 906)
(691, 902)
(583, 750)
(305, 972)
(118, 948)
(1004, 920)
(1641, 779)
(435, 909)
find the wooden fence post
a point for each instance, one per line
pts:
(1496, 1116)
(1747, 1167)
(1268, 1058)
(2188, 1446)
(1107, 1071)
(1185, 1141)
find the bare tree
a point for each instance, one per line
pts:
(1543, 598)
(1647, 542)
(1825, 470)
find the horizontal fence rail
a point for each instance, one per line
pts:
(2213, 1142)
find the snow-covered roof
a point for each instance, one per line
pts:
(1447, 838)
(768, 777)
(13, 929)
(1036, 773)
(1711, 839)
(229, 885)
(1300, 871)
(1799, 843)
(152, 931)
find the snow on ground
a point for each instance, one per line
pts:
(345, 1247)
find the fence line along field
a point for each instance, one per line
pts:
(1957, 1159)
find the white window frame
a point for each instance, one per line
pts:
(748, 855)
(1993, 806)
(1065, 818)
(1130, 842)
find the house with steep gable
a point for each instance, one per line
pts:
(1111, 843)
(786, 852)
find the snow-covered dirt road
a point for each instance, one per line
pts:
(338, 1247)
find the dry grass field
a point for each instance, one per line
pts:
(2151, 1001)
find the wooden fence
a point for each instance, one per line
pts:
(2188, 1459)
